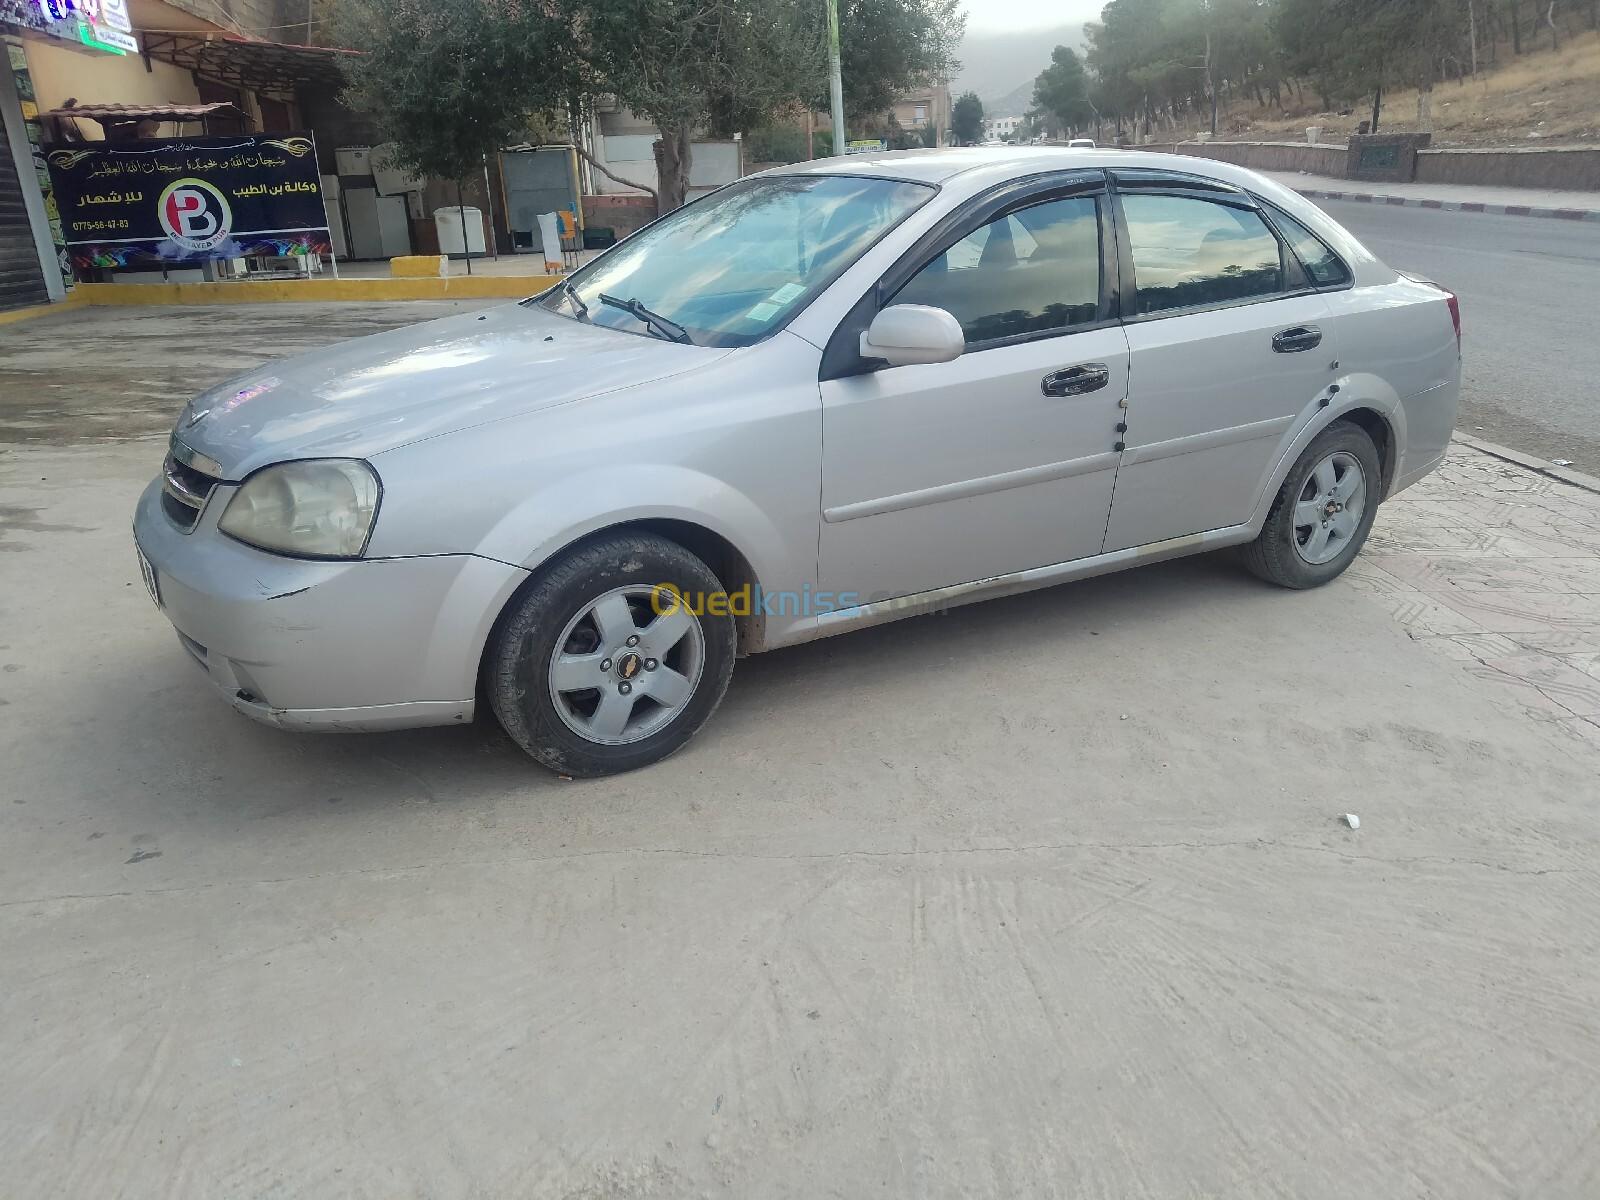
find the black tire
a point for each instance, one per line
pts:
(518, 663)
(1275, 554)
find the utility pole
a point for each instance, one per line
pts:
(835, 83)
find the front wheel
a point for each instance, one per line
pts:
(1323, 512)
(601, 666)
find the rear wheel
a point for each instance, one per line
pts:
(599, 667)
(1323, 512)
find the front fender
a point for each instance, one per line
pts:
(553, 517)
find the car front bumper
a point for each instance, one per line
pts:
(384, 643)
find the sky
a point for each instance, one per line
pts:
(992, 16)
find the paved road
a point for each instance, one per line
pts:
(1529, 289)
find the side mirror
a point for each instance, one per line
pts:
(907, 334)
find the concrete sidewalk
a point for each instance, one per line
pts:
(1515, 202)
(1498, 566)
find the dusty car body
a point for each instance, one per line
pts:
(976, 374)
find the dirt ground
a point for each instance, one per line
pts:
(125, 372)
(1541, 97)
(1045, 896)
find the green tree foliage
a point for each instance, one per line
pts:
(1061, 91)
(966, 119)
(452, 80)
(888, 47)
(686, 65)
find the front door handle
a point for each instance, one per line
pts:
(1297, 340)
(1076, 381)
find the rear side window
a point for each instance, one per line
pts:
(1189, 253)
(1032, 271)
(1324, 266)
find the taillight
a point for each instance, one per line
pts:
(1450, 298)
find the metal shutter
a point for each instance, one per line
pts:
(21, 279)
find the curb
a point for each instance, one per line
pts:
(17, 315)
(305, 291)
(1567, 475)
(451, 287)
(1499, 210)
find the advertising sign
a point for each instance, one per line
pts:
(185, 200)
(101, 24)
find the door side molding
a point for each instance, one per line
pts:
(1005, 481)
(1211, 438)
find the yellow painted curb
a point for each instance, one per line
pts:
(417, 266)
(75, 300)
(476, 287)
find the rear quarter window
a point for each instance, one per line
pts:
(1325, 267)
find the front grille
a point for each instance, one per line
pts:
(185, 488)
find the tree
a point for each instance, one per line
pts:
(691, 64)
(966, 119)
(1351, 48)
(452, 81)
(888, 47)
(1062, 90)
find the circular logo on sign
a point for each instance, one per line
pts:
(195, 214)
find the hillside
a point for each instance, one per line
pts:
(1540, 96)
(1000, 65)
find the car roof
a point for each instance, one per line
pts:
(968, 170)
(938, 166)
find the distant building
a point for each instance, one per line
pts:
(1000, 128)
(925, 108)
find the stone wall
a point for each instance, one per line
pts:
(1320, 159)
(1573, 168)
(1576, 168)
(1385, 157)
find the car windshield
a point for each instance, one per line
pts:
(728, 269)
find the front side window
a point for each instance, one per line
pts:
(728, 269)
(1325, 267)
(1031, 271)
(1189, 253)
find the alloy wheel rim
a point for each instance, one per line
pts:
(1328, 511)
(626, 665)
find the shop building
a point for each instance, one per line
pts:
(89, 71)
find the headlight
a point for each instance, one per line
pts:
(319, 508)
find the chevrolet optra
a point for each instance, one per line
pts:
(820, 398)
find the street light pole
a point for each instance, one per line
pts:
(835, 83)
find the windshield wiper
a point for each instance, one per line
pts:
(573, 298)
(670, 330)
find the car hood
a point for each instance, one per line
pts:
(362, 397)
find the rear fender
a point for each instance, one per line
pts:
(1356, 391)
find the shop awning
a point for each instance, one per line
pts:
(118, 113)
(275, 68)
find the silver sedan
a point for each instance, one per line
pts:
(820, 398)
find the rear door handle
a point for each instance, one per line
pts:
(1076, 381)
(1297, 340)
